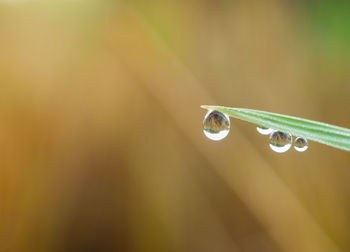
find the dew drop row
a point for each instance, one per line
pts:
(216, 126)
(281, 142)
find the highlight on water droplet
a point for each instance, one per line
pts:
(216, 125)
(280, 142)
(301, 144)
(263, 130)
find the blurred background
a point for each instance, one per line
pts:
(101, 139)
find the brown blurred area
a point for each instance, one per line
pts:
(101, 141)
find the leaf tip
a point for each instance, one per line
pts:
(206, 107)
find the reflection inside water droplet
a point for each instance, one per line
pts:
(301, 144)
(216, 125)
(280, 142)
(263, 130)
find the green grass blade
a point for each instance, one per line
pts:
(324, 133)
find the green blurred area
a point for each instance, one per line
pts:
(329, 27)
(101, 139)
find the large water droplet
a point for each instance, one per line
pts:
(280, 142)
(301, 144)
(263, 130)
(216, 125)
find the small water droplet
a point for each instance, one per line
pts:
(263, 130)
(280, 142)
(301, 144)
(216, 125)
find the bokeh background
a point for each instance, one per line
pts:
(101, 141)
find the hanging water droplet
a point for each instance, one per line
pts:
(301, 144)
(280, 142)
(263, 130)
(216, 125)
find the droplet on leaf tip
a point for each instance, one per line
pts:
(216, 125)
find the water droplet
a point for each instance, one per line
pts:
(263, 130)
(280, 142)
(216, 125)
(301, 144)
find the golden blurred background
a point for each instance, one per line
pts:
(101, 140)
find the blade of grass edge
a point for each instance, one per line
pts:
(324, 133)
